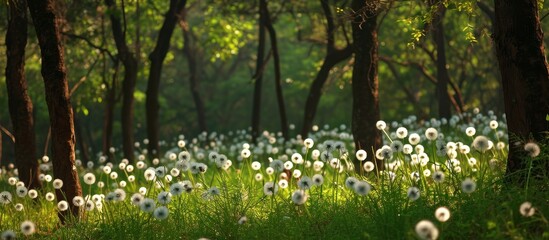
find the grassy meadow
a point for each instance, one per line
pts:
(442, 179)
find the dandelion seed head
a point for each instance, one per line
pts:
(308, 143)
(19, 207)
(147, 205)
(413, 193)
(526, 209)
(270, 188)
(381, 125)
(361, 155)
(442, 214)
(161, 213)
(362, 188)
(468, 185)
(532, 149)
(426, 230)
(136, 199)
(27, 228)
(299, 197)
(8, 235)
(242, 220)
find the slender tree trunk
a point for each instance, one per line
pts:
(365, 81)
(443, 78)
(110, 102)
(128, 85)
(1, 147)
(57, 98)
(191, 53)
(518, 39)
(258, 76)
(332, 58)
(157, 57)
(315, 92)
(84, 154)
(278, 84)
(20, 104)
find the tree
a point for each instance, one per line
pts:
(57, 97)
(519, 46)
(128, 84)
(191, 52)
(333, 56)
(157, 58)
(443, 78)
(365, 81)
(258, 75)
(20, 104)
(268, 23)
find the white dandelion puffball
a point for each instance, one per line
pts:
(27, 228)
(532, 149)
(425, 229)
(526, 209)
(299, 197)
(468, 185)
(161, 213)
(442, 214)
(361, 155)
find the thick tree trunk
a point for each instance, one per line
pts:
(258, 76)
(525, 78)
(20, 104)
(284, 127)
(57, 98)
(365, 81)
(157, 57)
(189, 49)
(332, 58)
(443, 78)
(128, 85)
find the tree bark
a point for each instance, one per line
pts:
(284, 127)
(518, 39)
(191, 53)
(258, 76)
(59, 106)
(443, 78)
(157, 57)
(128, 85)
(108, 119)
(365, 81)
(84, 154)
(332, 58)
(20, 104)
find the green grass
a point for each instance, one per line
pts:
(332, 210)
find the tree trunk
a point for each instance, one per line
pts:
(108, 119)
(518, 39)
(57, 98)
(332, 58)
(284, 127)
(443, 78)
(20, 104)
(128, 85)
(84, 154)
(365, 81)
(258, 76)
(189, 49)
(157, 57)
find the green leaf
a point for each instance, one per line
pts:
(547, 117)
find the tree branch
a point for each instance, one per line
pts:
(91, 44)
